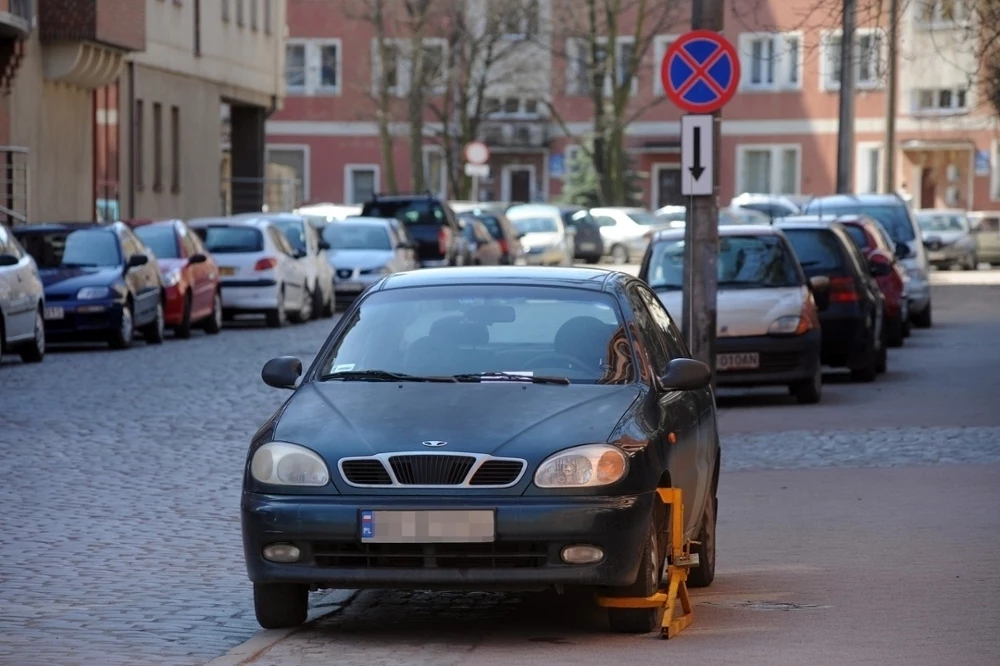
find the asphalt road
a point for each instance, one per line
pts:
(119, 494)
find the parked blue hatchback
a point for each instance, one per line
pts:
(101, 282)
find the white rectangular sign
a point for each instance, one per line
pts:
(696, 156)
(477, 170)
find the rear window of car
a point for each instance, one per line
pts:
(231, 239)
(294, 232)
(83, 247)
(895, 219)
(579, 218)
(857, 235)
(819, 250)
(745, 262)
(161, 240)
(491, 222)
(347, 236)
(415, 212)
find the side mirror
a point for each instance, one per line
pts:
(282, 372)
(136, 260)
(323, 245)
(8, 260)
(300, 254)
(902, 250)
(820, 288)
(686, 374)
(520, 235)
(879, 267)
(197, 259)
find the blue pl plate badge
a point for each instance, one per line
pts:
(367, 524)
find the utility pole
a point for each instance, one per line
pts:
(845, 142)
(891, 99)
(701, 232)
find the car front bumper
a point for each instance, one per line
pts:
(81, 320)
(546, 257)
(530, 535)
(783, 359)
(949, 255)
(347, 289)
(918, 294)
(250, 295)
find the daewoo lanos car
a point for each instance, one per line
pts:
(100, 282)
(768, 312)
(484, 428)
(22, 301)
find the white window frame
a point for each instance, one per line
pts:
(349, 170)
(862, 171)
(521, 113)
(523, 33)
(442, 190)
(776, 149)
(826, 38)
(306, 151)
(932, 111)
(297, 90)
(573, 49)
(314, 67)
(660, 45)
(937, 23)
(779, 41)
(654, 189)
(505, 172)
(404, 63)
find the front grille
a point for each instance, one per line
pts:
(424, 470)
(779, 361)
(497, 555)
(345, 273)
(58, 297)
(366, 473)
(497, 473)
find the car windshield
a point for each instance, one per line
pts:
(84, 247)
(745, 262)
(419, 211)
(231, 239)
(857, 235)
(474, 329)
(161, 240)
(295, 232)
(642, 217)
(347, 236)
(536, 225)
(895, 219)
(942, 222)
(819, 251)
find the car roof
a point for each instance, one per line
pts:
(136, 224)
(594, 279)
(618, 209)
(941, 211)
(255, 222)
(855, 200)
(807, 222)
(724, 230)
(368, 221)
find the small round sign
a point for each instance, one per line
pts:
(476, 152)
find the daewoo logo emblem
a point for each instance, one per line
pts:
(434, 444)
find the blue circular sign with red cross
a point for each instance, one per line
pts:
(700, 71)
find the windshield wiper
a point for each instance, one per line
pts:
(669, 287)
(509, 377)
(78, 265)
(809, 263)
(381, 376)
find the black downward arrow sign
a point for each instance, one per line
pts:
(697, 169)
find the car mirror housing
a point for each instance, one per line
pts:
(8, 260)
(686, 374)
(282, 372)
(323, 245)
(197, 259)
(820, 288)
(136, 260)
(902, 250)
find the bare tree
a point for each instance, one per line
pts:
(603, 44)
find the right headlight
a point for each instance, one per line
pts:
(583, 467)
(284, 464)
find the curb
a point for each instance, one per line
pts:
(263, 641)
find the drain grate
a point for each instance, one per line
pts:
(765, 605)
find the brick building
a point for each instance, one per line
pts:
(779, 133)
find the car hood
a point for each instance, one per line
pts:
(362, 259)
(943, 237)
(541, 239)
(745, 312)
(64, 280)
(338, 419)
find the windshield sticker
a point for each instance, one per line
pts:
(343, 367)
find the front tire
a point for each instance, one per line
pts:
(276, 317)
(317, 302)
(213, 325)
(184, 329)
(154, 333)
(896, 332)
(923, 319)
(34, 351)
(619, 255)
(703, 574)
(808, 391)
(647, 583)
(972, 264)
(122, 338)
(280, 605)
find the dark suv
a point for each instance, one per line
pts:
(430, 221)
(587, 242)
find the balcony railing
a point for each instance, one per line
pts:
(516, 133)
(13, 185)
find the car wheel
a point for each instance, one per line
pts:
(895, 332)
(276, 317)
(317, 302)
(703, 574)
(619, 255)
(972, 264)
(184, 329)
(330, 306)
(883, 358)
(34, 351)
(304, 312)
(154, 333)
(808, 391)
(122, 338)
(869, 371)
(280, 605)
(213, 325)
(923, 319)
(647, 583)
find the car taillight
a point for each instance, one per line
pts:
(265, 264)
(843, 290)
(504, 246)
(443, 238)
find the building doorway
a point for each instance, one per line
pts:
(667, 184)
(519, 183)
(928, 188)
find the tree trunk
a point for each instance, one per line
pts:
(415, 114)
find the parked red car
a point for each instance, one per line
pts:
(190, 275)
(874, 242)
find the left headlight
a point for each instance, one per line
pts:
(787, 325)
(171, 277)
(583, 467)
(92, 293)
(284, 464)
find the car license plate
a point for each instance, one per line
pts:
(427, 526)
(54, 313)
(227, 270)
(588, 246)
(744, 361)
(350, 286)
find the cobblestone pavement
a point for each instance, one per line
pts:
(120, 472)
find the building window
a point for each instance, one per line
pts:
(225, 10)
(868, 59)
(940, 101)
(943, 13)
(254, 18)
(313, 67)
(268, 17)
(398, 70)
(572, 153)
(175, 149)
(107, 178)
(768, 169)
(771, 61)
(585, 68)
(660, 45)
(157, 147)
(360, 182)
(137, 147)
(435, 173)
(240, 20)
(521, 22)
(511, 107)
(289, 165)
(869, 168)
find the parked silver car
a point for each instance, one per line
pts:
(626, 231)
(986, 231)
(947, 235)
(22, 301)
(363, 250)
(544, 237)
